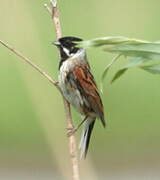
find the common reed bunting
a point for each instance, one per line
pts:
(78, 86)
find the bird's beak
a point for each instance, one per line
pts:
(56, 43)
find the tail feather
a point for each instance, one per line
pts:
(86, 135)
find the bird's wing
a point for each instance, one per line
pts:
(88, 90)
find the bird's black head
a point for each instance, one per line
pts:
(67, 46)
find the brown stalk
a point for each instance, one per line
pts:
(72, 141)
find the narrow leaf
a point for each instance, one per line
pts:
(154, 69)
(119, 74)
(144, 50)
(132, 63)
(145, 54)
(111, 40)
(107, 69)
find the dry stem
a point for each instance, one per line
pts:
(72, 140)
(28, 61)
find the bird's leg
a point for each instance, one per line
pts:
(73, 130)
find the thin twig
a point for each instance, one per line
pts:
(56, 19)
(28, 61)
(72, 140)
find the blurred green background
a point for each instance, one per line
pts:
(33, 143)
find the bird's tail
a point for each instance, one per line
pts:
(86, 135)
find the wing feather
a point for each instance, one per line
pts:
(87, 86)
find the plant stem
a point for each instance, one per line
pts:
(28, 61)
(72, 140)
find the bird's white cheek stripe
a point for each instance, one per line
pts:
(66, 51)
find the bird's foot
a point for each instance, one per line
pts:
(71, 131)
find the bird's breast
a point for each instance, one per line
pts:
(71, 94)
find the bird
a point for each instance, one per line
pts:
(78, 87)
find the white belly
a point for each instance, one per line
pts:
(72, 95)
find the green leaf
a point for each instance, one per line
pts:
(119, 74)
(145, 54)
(154, 69)
(107, 69)
(126, 46)
(144, 50)
(111, 40)
(132, 63)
